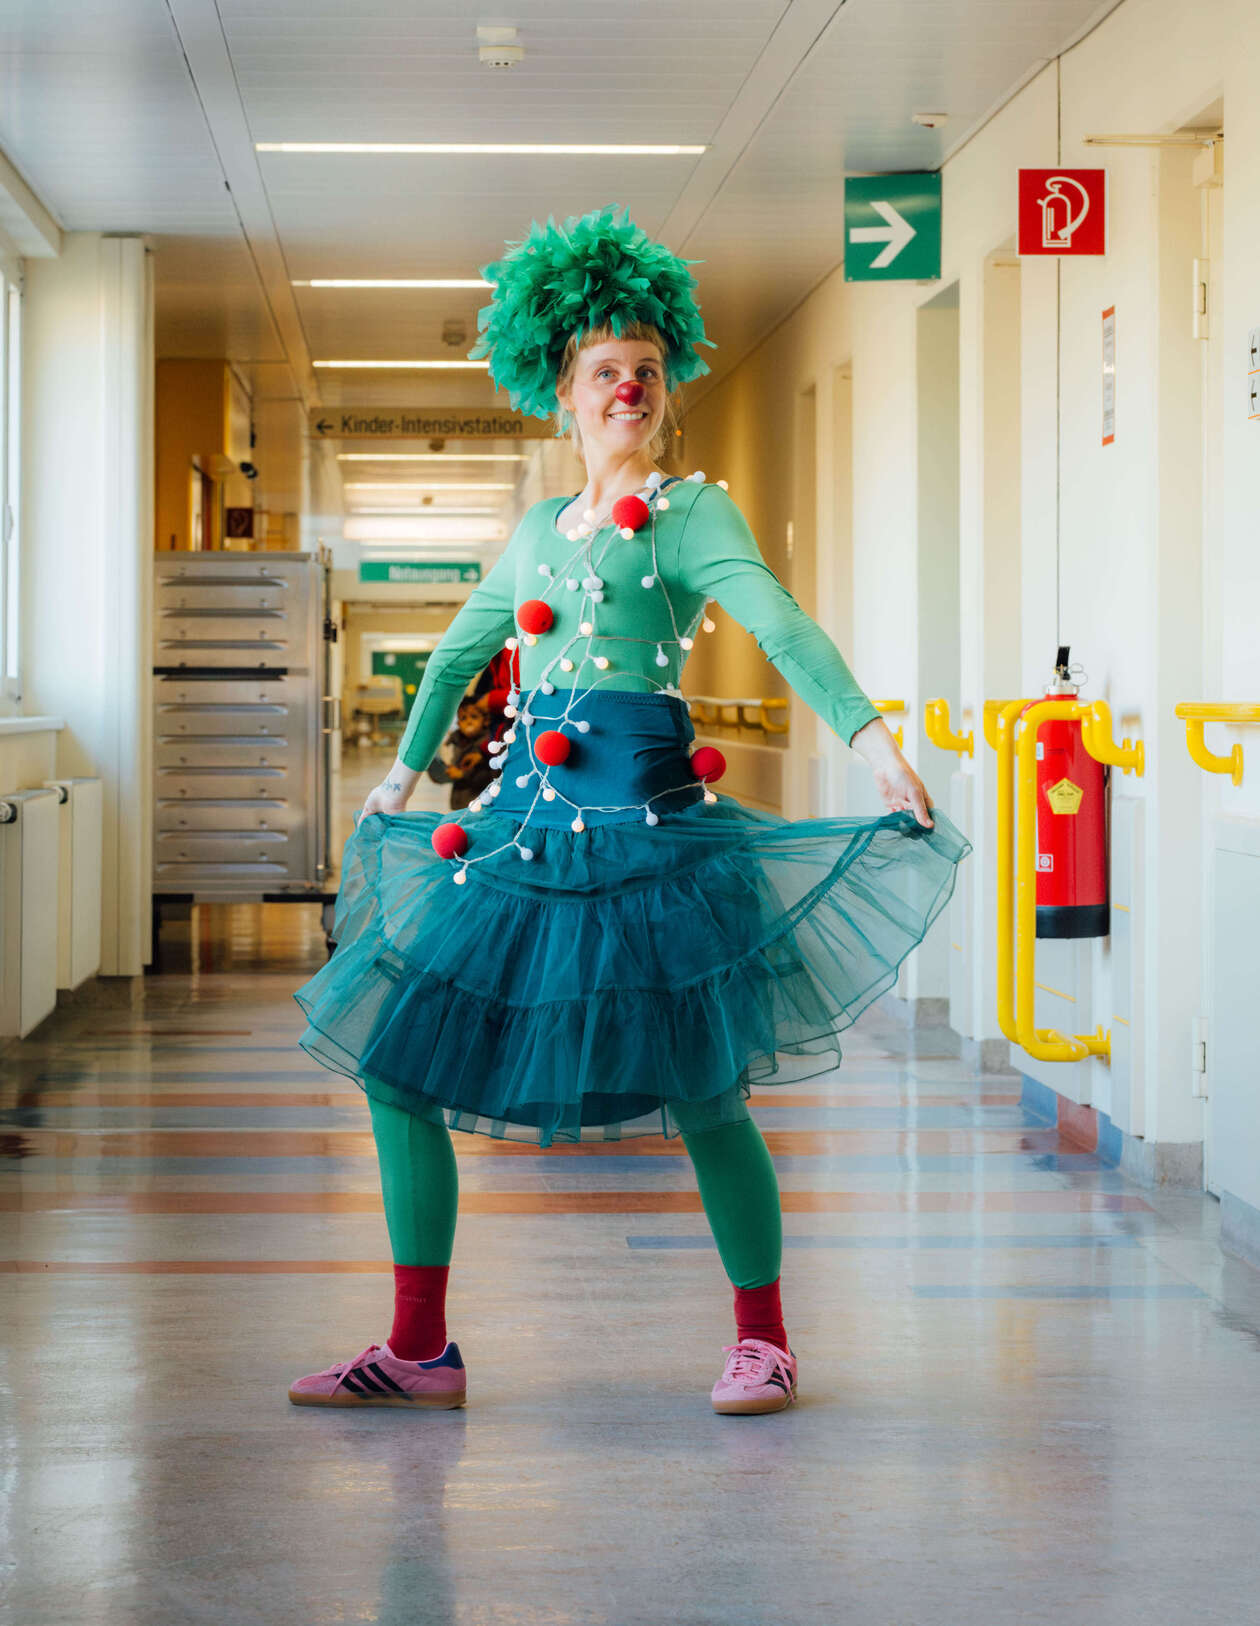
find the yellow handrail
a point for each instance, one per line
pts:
(991, 710)
(886, 706)
(1045, 1044)
(1195, 713)
(936, 727)
(1003, 743)
(1096, 731)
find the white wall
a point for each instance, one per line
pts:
(1113, 549)
(87, 482)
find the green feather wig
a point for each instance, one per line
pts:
(595, 270)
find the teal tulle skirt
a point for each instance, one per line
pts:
(580, 992)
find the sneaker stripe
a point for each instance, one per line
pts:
(349, 1382)
(385, 1378)
(370, 1383)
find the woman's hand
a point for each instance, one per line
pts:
(391, 795)
(899, 786)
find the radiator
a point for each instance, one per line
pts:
(78, 880)
(29, 847)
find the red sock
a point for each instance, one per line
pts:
(759, 1314)
(419, 1332)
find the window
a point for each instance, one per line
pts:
(10, 481)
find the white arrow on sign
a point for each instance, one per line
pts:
(895, 235)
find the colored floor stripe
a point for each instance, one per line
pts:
(571, 1202)
(247, 1142)
(1171, 1290)
(895, 1244)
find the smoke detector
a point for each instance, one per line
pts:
(929, 121)
(499, 47)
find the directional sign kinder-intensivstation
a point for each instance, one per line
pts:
(892, 228)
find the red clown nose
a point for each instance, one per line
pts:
(629, 392)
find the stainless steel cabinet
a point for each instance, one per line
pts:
(240, 746)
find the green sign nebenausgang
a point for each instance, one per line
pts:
(418, 570)
(892, 227)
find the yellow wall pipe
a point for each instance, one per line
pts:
(936, 727)
(1045, 1044)
(992, 711)
(886, 706)
(1003, 742)
(1098, 736)
(1195, 713)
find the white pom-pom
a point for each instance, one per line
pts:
(662, 659)
(509, 736)
(577, 824)
(602, 662)
(724, 485)
(709, 796)
(627, 531)
(571, 583)
(527, 718)
(707, 624)
(597, 582)
(549, 795)
(509, 643)
(597, 597)
(687, 643)
(530, 638)
(654, 479)
(586, 629)
(583, 726)
(588, 514)
(697, 478)
(572, 535)
(496, 764)
(522, 779)
(662, 505)
(583, 530)
(649, 581)
(544, 570)
(509, 710)
(526, 853)
(547, 688)
(651, 818)
(460, 876)
(566, 665)
(475, 806)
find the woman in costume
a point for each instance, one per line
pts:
(603, 945)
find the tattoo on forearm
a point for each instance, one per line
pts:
(391, 784)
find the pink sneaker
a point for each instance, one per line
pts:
(379, 1378)
(758, 1377)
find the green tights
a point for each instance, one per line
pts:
(736, 1177)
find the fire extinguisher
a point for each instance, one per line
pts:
(1071, 824)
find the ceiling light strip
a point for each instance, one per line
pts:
(391, 282)
(432, 457)
(529, 149)
(427, 485)
(407, 366)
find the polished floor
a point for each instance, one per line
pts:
(1028, 1388)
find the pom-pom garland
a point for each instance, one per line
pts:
(593, 270)
(552, 747)
(450, 841)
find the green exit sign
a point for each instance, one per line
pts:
(892, 228)
(418, 570)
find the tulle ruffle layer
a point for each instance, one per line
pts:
(625, 967)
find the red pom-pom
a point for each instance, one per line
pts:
(495, 699)
(632, 513)
(552, 748)
(450, 841)
(708, 764)
(534, 616)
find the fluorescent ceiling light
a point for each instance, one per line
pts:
(405, 366)
(427, 485)
(371, 508)
(392, 282)
(426, 527)
(518, 148)
(432, 457)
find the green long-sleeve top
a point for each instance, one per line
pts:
(703, 550)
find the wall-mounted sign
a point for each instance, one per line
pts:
(892, 227)
(426, 423)
(418, 570)
(1062, 211)
(1109, 376)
